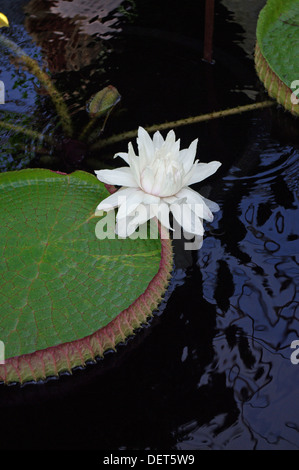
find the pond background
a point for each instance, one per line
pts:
(212, 370)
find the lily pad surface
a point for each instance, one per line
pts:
(276, 57)
(66, 296)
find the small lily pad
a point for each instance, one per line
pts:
(66, 296)
(276, 55)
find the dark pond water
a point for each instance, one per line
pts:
(212, 370)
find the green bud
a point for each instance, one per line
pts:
(103, 101)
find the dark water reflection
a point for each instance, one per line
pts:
(250, 274)
(69, 33)
(213, 369)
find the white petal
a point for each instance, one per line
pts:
(131, 153)
(127, 225)
(158, 140)
(169, 199)
(122, 155)
(160, 178)
(134, 163)
(142, 215)
(130, 203)
(187, 219)
(147, 179)
(120, 177)
(187, 156)
(170, 138)
(175, 149)
(202, 171)
(197, 202)
(171, 145)
(213, 206)
(145, 145)
(121, 229)
(174, 200)
(115, 199)
(150, 199)
(161, 211)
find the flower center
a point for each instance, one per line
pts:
(163, 176)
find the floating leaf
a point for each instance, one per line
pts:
(65, 295)
(276, 55)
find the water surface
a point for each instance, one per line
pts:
(213, 368)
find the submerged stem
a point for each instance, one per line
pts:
(29, 132)
(46, 81)
(87, 129)
(183, 122)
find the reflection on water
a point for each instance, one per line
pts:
(69, 32)
(251, 274)
(213, 369)
(20, 106)
(91, 15)
(245, 18)
(62, 36)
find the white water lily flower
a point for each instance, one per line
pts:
(156, 183)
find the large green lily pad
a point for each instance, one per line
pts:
(66, 296)
(276, 57)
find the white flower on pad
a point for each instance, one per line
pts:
(157, 181)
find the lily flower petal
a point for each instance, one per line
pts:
(187, 156)
(213, 206)
(120, 177)
(188, 220)
(130, 204)
(193, 198)
(145, 145)
(203, 171)
(115, 199)
(122, 155)
(126, 226)
(158, 140)
(161, 211)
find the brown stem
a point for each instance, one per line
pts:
(209, 30)
(183, 122)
